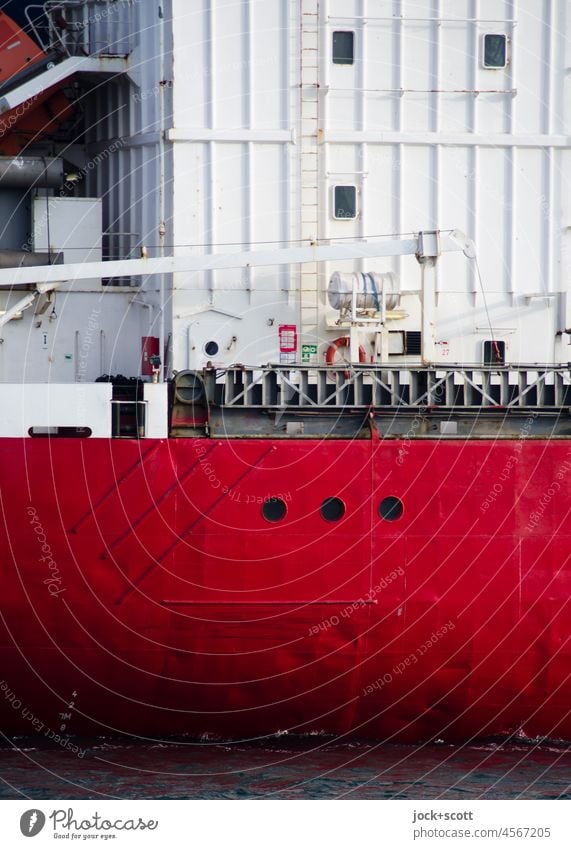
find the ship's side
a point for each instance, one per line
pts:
(335, 498)
(172, 609)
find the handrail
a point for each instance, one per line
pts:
(75, 29)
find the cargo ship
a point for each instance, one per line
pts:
(284, 368)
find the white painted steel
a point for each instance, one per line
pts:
(55, 405)
(430, 138)
(84, 329)
(260, 125)
(58, 73)
(71, 227)
(90, 328)
(156, 396)
(244, 259)
(450, 142)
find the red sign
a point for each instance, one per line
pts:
(149, 348)
(288, 338)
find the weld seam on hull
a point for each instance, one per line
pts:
(114, 488)
(191, 527)
(155, 504)
(359, 602)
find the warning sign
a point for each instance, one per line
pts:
(308, 353)
(288, 344)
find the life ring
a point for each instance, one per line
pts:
(342, 342)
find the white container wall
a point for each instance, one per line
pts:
(234, 123)
(427, 115)
(262, 124)
(437, 140)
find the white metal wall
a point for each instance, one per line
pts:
(89, 329)
(41, 406)
(260, 125)
(82, 329)
(124, 121)
(234, 126)
(434, 140)
(121, 161)
(265, 125)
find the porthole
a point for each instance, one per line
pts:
(332, 509)
(274, 510)
(211, 348)
(391, 508)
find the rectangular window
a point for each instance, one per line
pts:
(343, 47)
(495, 50)
(345, 202)
(494, 353)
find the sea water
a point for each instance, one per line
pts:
(283, 768)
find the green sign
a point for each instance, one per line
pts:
(307, 352)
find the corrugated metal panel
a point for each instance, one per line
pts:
(78, 337)
(111, 27)
(264, 125)
(233, 131)
(93, 27)
(431, 138)
(123, 124)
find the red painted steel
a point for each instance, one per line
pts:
(150, 347)
(167, 603)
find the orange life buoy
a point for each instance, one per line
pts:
(342, 342)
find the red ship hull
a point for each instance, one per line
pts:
(144, 592)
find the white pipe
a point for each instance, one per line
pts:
(428, 301)
(407, 19)
(211, 147)
(437, 76)
(398, 191)
(249, 120)
(475, 204)
(362, 203)
(162, 223)
(548, 205)
(513, 170)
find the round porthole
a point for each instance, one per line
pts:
(274, 510)
(391, 508)
(211, 348)
(332, 509)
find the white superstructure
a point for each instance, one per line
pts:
(266, 124)
(286, 107)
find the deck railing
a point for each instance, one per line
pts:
(84, 27)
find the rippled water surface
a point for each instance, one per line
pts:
(311, 768)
